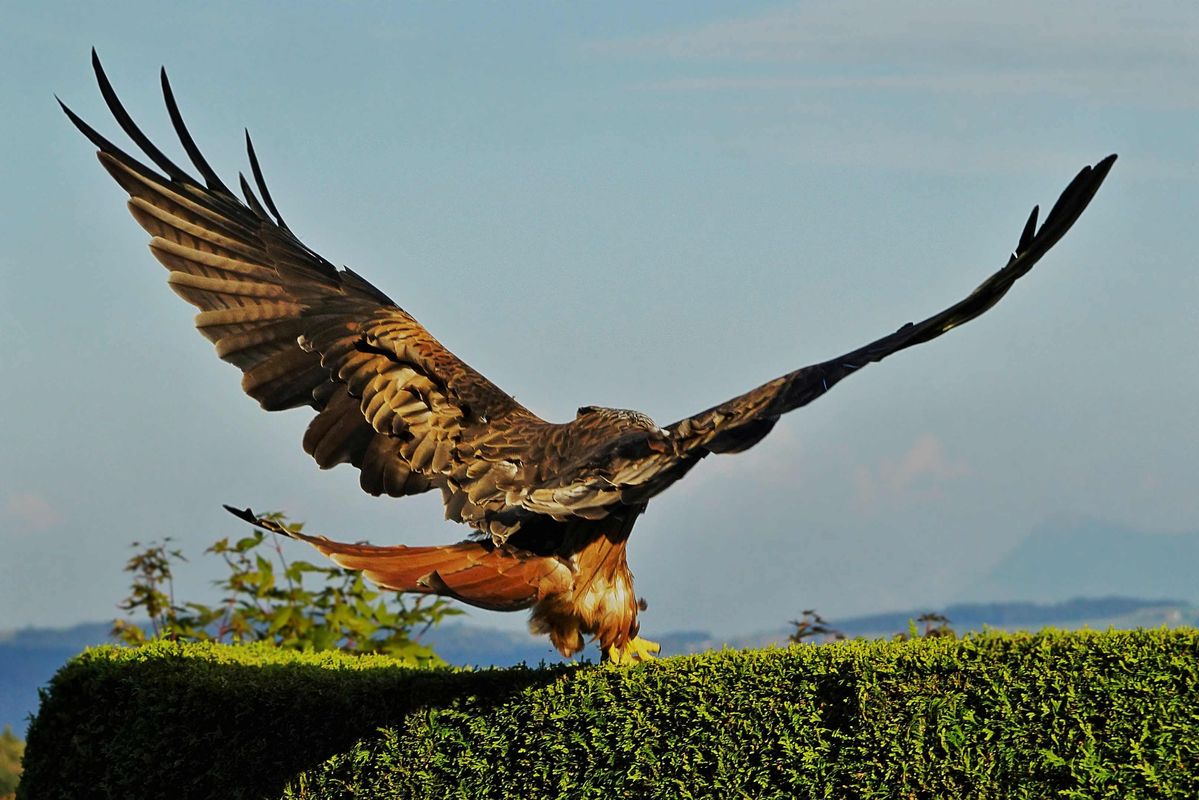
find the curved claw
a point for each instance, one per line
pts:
(634, 651)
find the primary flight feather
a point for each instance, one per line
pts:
(551, 504)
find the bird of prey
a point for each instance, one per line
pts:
(551, 504)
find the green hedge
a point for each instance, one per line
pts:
(1054, 714)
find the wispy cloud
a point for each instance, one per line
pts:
(1106, 51)
(32, 509)
(921, 473)
(1015, 81)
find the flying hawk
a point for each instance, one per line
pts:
(551, 504)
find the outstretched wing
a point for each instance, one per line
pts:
(740, 423)
(391, 400)
(635, 472)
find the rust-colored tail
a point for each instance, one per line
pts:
(478, 573)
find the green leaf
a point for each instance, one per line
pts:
(280, 618)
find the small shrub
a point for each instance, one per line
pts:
(812, 625)
(12, 750)
(266, 599)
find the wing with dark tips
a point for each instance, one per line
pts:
(616, 476)
(742, 421)
(390, 399)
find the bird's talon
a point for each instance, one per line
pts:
(635, 650)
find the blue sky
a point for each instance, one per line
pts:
(646, 206)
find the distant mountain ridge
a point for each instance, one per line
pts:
(1075, 612)
(1083, 557)
(30, 656)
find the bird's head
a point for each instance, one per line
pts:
(623, 420)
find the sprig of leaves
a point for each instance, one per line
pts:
(812, 625)
(268, 598)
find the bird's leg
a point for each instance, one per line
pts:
(634, 650)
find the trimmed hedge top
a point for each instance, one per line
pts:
(1054, 714)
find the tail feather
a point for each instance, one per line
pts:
(480, 573)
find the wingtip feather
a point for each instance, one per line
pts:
(213, 180)
(173, 170)
(1030, 230)
(256, 169)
